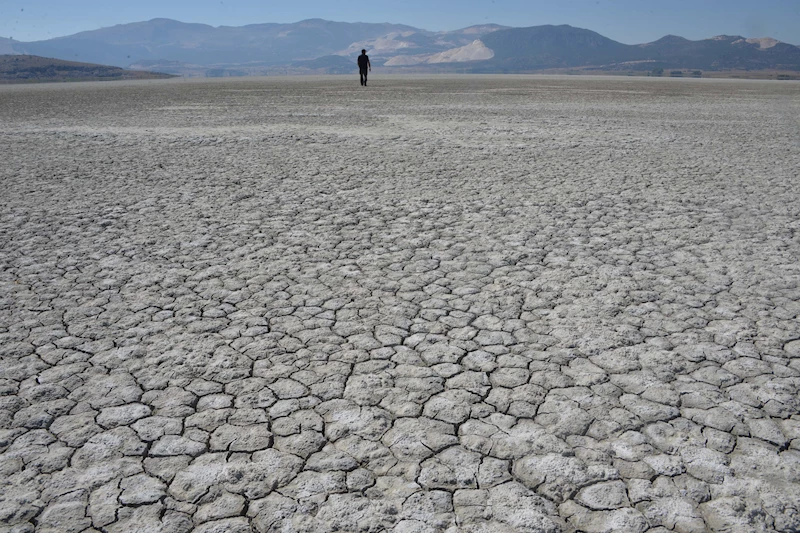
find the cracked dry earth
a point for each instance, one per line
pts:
(462, 305)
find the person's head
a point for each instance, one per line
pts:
(363, 51)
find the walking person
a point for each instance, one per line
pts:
(364, 66)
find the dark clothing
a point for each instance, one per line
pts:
(363, 67)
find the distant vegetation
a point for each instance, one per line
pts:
(33, 69)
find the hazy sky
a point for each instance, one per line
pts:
(628, 21)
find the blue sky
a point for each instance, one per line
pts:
(628, 21)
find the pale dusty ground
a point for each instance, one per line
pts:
(453, 304)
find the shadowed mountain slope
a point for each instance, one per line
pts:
(554, 46)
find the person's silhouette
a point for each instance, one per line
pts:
(364, 66)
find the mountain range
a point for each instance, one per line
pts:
(323, 46)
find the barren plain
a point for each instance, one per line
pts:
(453, 304)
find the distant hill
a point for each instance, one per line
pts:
(553, 46)
(548, 47)
(7, 45)
(25, 68)
(321, 46)
(723, 52)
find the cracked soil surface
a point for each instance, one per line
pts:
(455, 304)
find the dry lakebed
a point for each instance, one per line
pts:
(435, 304)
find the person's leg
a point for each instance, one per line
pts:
(361, 74)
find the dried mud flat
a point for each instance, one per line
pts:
(467, 304)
